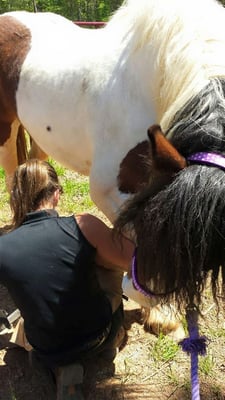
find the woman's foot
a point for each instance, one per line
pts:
(69, 379)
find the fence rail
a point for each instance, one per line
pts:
(96, 24)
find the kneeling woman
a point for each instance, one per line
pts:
(51, 266)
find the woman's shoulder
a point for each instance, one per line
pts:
(90, 225)
(68, 221)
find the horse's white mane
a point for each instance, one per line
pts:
(187, 39)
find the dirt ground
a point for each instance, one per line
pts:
(135, 373)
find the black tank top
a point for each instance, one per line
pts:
(48, 267)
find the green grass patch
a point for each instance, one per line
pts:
(60, 170)
(76, 197)
(206, 365)
(76, 192)
(164, 349)
(5, 213)
(2, 173)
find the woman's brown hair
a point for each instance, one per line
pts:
(33, 183)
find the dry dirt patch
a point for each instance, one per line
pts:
(135, 374)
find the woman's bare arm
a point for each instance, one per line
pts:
(111, 251)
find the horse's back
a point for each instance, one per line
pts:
(47, 19)
(17, 33)
(41, 82)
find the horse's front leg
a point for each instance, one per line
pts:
(106, 195)
(8, 149)
(36, 151)
(104, 187)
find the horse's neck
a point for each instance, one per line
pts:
(190, 51)
(139, 64)
(121, 81)
(171, 51)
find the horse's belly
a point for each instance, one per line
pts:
(49, 111)
(55, 130)
(70, 148)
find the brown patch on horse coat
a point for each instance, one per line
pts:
(15, 41)
(134, 170)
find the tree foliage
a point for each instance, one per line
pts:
(81, 10)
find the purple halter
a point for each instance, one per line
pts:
(134, 277)
(136, 284)
(214, 159)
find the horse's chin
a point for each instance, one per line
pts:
(163, 319)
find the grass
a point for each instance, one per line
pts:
(164, 349)
(4, 200)
(76, 197)
(206, 365)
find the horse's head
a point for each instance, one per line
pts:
(178, 220)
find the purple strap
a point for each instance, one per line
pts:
(140, 288)
(134, 276)
(208, 158)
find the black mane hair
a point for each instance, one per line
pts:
(179, 223)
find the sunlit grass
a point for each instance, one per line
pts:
(206, 365)
(76, 193)
(76, 197)
(2, 173)
(4, 200)
(164, 349)
(60, 170)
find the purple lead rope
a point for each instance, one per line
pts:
(194, 345)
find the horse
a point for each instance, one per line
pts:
(87, 97)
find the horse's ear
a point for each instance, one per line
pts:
(164, 155)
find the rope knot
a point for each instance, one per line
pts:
(194, 345)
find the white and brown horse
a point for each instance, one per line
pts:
(87, 97)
